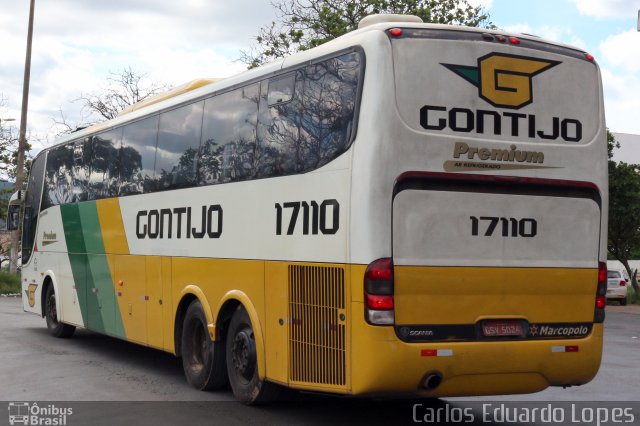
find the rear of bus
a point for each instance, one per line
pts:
(479, 212)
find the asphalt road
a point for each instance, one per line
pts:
(89, 367)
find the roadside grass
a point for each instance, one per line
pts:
(632, 297)
(9, 283)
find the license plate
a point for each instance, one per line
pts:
(502, 328)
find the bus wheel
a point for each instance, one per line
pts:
(202, 359)
(55, 327)
(242, 364)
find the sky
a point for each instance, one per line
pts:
(78, 43)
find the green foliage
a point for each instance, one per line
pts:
(303, 24)
(624, 211)
(9, 283)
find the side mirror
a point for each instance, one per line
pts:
(13, 217)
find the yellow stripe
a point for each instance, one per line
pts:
(113, 234)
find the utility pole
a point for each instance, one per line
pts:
(22, 139)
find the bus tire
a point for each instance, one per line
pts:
(55, 327)
(242, 365)
(202, 359)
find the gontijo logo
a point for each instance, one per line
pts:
(504, 80)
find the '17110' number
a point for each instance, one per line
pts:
(510, 227)
(323, 218)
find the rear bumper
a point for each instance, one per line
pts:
(383, 364)
(617, 293)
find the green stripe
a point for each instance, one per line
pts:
(89, 264)
(77, 258)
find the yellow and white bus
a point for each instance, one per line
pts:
(409, 209)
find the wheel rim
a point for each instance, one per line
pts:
(52, 313)
(243, 354)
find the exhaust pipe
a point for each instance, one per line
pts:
(432, 380)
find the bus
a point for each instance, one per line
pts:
(409, 209)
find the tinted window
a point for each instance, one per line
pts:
(306, 118)
(178, 144)
(104, 165)
(137, 158)
(328, 105)
(32, 206)
(58, 188)
(279, 127)
(229, 136)
(81, 170)
(281, 89)
(613, 274)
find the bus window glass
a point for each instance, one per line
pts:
(105, 159)
(281, 89)
(307, 121)
(81, 169)
(59, 176)
(279, 129)
(229, 136)
(32, 206)
(137, 159)
(328, 104)
(178, 144)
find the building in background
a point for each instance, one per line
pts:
(629, 150)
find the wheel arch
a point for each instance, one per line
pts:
(188, 295)
(48, 281)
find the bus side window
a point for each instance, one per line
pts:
(137, 157)
(281, 89)
(229, 136)
(306, 117)
(32, 206)
(280, 120)
(104, 169)
(81, 169)
(59, 178)
(178, 143)
(329, 99)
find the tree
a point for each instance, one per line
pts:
(624, 211)
(121, 90)
(303, 24)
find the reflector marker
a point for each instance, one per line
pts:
(565, 349)
(436, 352)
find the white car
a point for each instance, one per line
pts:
(617, 286)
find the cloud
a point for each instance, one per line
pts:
(619, 57)
(608, 8)
(76, 45)
(622, 51)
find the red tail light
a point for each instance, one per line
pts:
(601, 293)
(378, 292)
(602, 272)
(623, 283)
(383, 303)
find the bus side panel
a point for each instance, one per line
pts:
(308, 325)
(217, 277)
(277, 321)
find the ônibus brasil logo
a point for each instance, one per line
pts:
(504, 80)
(26, 413)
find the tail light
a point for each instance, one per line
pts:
(378, 292)
(623, 283)
(601, 293)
